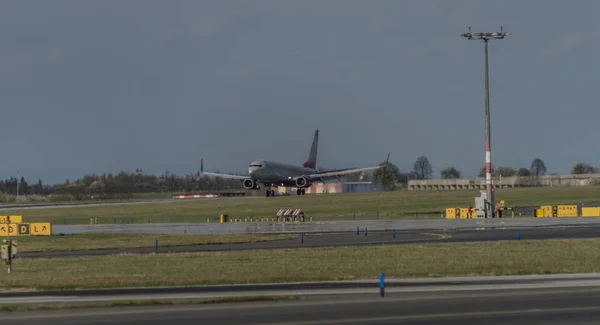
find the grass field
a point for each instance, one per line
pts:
(384, 205)
(32, 200)
(106, 241)
(343, 263)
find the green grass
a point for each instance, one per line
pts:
(107, 241)
(315, 264)
(137, 303)
(387, 205)
(33, 200)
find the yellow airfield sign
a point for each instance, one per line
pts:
(26, 229)
(13, 219)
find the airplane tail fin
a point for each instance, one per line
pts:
(312, 156)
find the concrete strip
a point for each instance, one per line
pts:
(323, 226)
(373, 289)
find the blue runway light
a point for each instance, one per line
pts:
(366, 231)
(381, 284)
(357, 231)
(518, 235)
(394, 233)
(302, 238)
(156, 245)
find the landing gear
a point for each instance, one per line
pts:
(300, 191)
(270, 192)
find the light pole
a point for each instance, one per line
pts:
(486, 38)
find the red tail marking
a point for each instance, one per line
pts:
(309, 164)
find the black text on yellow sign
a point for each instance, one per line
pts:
(13, 219)
(40, 229)
(26, 229)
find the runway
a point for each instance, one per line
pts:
(312, 240)
(548, 305)
(202, 227)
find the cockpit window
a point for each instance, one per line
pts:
(255, 165)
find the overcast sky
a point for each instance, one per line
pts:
(101, 86)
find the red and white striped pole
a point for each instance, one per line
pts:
(488, 146)
(486, 37)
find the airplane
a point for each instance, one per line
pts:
(272, 173)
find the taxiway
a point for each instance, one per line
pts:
(549, 303)
(361, 238)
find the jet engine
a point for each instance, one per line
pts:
(250, 184)
(302, 182)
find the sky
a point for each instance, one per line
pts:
(104, 86)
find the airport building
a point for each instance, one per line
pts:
(357, 187)
(323, 188)
(317, 188)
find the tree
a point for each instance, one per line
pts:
(450, 173)
(23, 186)
(403, 178)
(582, 168)
(386, 176)
(538, 167)
(505, 171)
(523, 172)
(422, 168)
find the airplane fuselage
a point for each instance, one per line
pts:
(268, 171)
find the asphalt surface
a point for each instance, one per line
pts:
(548, 306)
(202, 227)
(312, 240)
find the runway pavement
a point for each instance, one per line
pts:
(550, 303)
(323, 226)
(352, 239)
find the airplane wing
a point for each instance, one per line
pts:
(325, 175)
(202, 173)
(332, 170)
(224, 175)
(335, 173)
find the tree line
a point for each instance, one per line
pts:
(391, 177)
(120, 185)
(128, 184)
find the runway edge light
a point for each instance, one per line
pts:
(381, 284)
